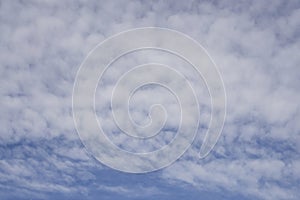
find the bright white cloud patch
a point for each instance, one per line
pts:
(255, 45)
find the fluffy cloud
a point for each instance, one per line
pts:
(255, 45)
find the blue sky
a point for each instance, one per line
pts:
(255, 45)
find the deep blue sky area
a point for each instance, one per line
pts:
(168, 191)
(255, 46)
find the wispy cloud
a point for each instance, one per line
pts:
(139, 191)
(255, 45)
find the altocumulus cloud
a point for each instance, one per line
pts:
(254, 43)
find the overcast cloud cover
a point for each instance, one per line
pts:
(256, 46)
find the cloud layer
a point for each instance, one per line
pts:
(255, 45)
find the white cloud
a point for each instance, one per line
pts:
(255, 45)
(140, 191)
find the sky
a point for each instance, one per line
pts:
(255, 45)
